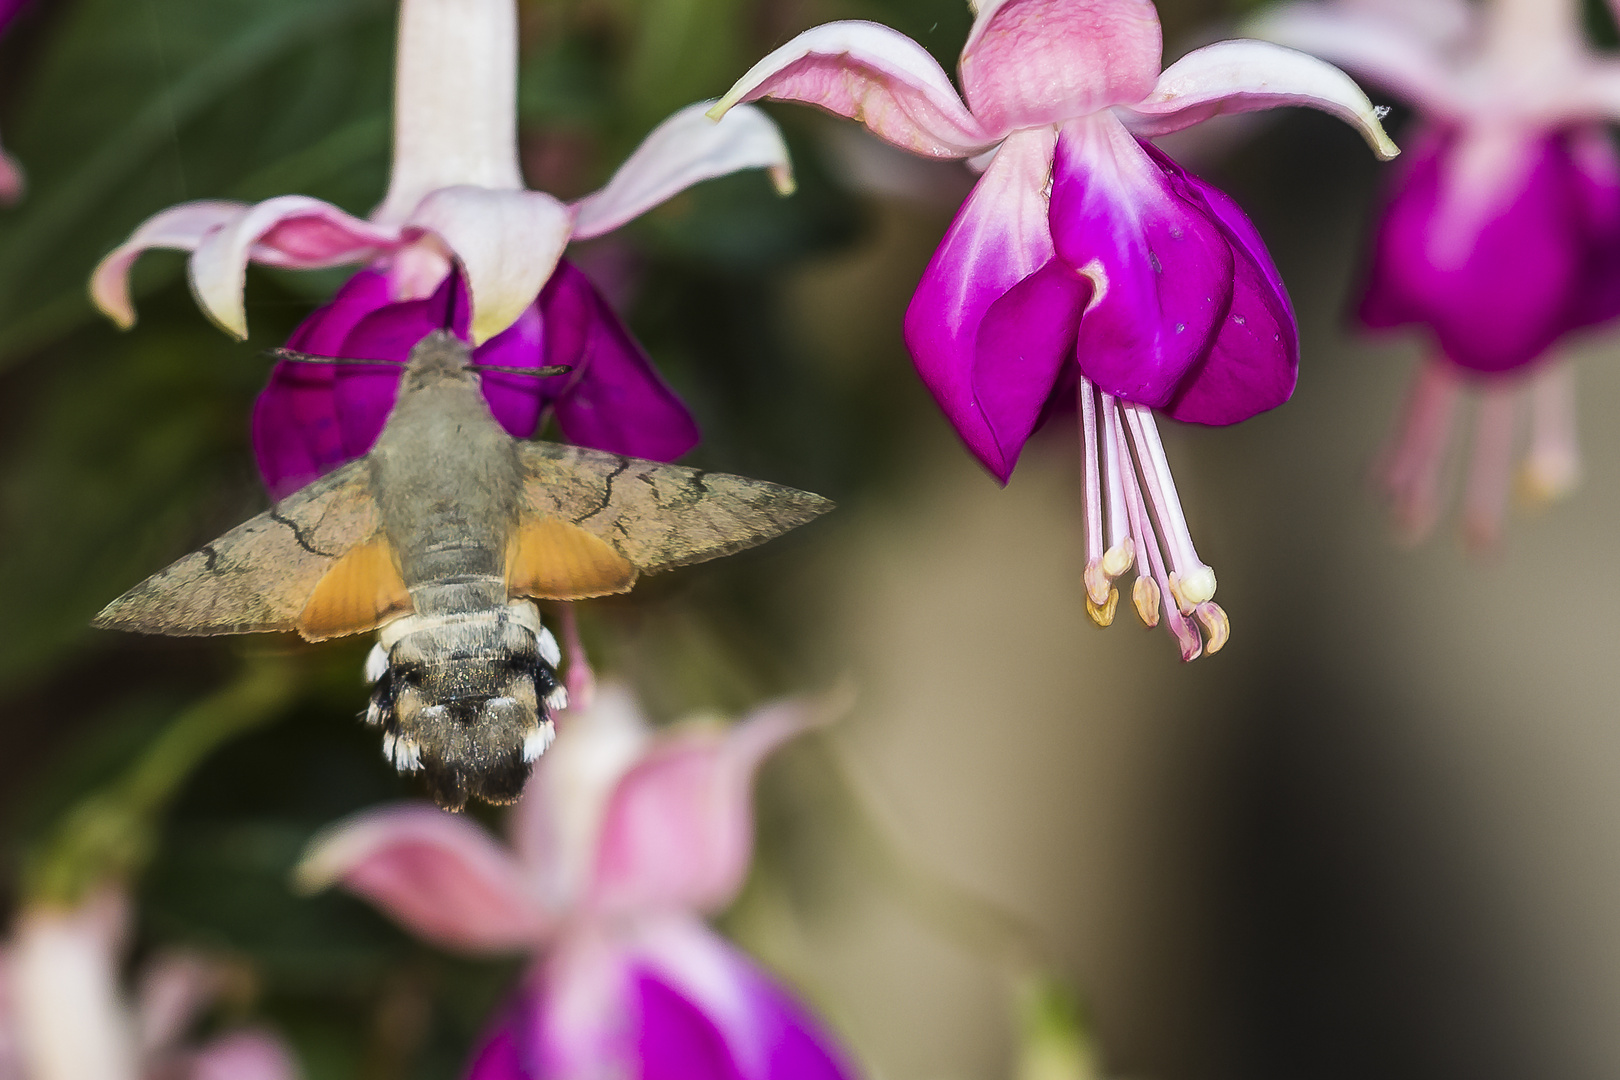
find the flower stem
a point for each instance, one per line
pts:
(112, 833)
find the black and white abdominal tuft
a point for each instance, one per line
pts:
(466, 699)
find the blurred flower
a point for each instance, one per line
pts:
(1500, 235)
(11, 174)
(622, 838)
(455, 196)
(1085, 261)
(62, 1016)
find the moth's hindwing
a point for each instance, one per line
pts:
(655, 516)
(360, 592)
(550, 559)
(260, 576)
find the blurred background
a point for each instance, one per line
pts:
(1373, 836)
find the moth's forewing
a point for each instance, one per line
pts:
(657, 516)
(259, 576)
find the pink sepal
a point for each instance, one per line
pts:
(508, 243)
(289, 231)
(685, 149)
(12, 182)
(63, 965)
(678, 827)
(555, 825)
(1030, 62)
(242, 1055)
(443, 877)
(173, 991)
(586, 1022)
(1381, 45)
(1247, 76)
(866, 71)
(179, 228)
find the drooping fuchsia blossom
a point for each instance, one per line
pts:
(1499, 237)
(1085, 261)
(458, 241)
(11, 174)
(64, 1017)
(622, 840)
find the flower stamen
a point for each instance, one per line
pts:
(1552, 468)
(1121, 553)
(1192, 581)
(1412, 465)
(1097, 584)
(1134, 540)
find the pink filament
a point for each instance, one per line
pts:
(1554, 460)
(1150, 557)
(1093, 493)
(1411, 465)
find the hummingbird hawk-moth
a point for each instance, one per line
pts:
(440, 538)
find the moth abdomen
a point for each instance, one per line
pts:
(465, 699)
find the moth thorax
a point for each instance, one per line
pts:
(466, 699)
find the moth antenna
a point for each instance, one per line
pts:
(293, 356)
(554, 369)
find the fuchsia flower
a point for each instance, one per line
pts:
(623, 837)
(1500, 236)
(63, 1017)
(1085, 261)
(11, 174)
(458, 241)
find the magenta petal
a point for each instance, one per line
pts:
(9, 10)
(516, 401)
(365, 395)
(243, 1055)
(1025, 340)
(1482, 242)
(1254, 362)
(999, 238)
(614, 399)
(1596, 177)
(709, 995)
(295, 424)
(499, 1059)
(677, 1042)
(1162, 269)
